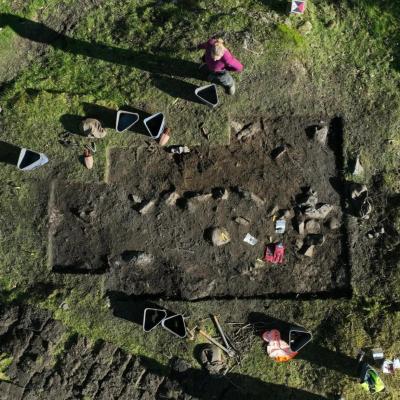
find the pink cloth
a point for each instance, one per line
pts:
(227, 62)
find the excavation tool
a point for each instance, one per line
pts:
(232, 351)
(211, 340)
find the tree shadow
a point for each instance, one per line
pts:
(176, 88)
(9, 153)
(154, 63)
(200, 385)
(312, 352)
(108, 117)
(279, 6)
(71, 123)
(131, 309)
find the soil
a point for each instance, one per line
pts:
(94, 227)
(49, 362)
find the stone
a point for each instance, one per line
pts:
(305, 28)
(172, 198)
(236, 126)
(299, 244)
(192, 205)
(333, 223)
(148, 208)
(309, 251)
(258, 200)
(357, 168)
(242, 221)
(321, 134)
(220, 237)
(288, 214)
(132, 259)
(249, 131)
(194, 202)
(135, 198)
(273, 211)
(312, 226)
(321, 212)
(202, 198)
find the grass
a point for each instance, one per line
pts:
(346, 65)
(5, 362)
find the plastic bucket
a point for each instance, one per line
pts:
(208, 95)
(155, 124)
(125, 120)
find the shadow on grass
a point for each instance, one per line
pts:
(107, 117)
(9, 153)
(200, 385)
(312, 352)
(279, 6)
(154, 63)
(130, 309)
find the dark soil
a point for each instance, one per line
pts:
(92, 225)
(51, 363)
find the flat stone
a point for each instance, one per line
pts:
(236, 126)
(309, 251)
(225, 195)
(288, 214)
(333, 223)
(258, 200)
(220, 237)
(273, 211)
(249, 131)
(242, 221)
(299, 243)
(312, 226)
(202, 198)
(135, 198)
(320, 212)
(172, 199)
(357, 168)
(148, 208)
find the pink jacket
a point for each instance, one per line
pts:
(227, 62)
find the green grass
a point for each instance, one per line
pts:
(345, 66)
(5, 362)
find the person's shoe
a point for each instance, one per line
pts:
(231, 90)
(88, 159)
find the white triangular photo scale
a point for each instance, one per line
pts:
(125, 120)
(180, 328)
(29, 160)
(155, 124)
(208, 94)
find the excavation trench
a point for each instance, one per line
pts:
(148, 228)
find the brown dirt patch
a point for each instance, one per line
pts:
(98, 223)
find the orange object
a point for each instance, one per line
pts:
(165, 137)
(277, 348)
(88, 159)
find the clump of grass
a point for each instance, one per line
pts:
(5, 362)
